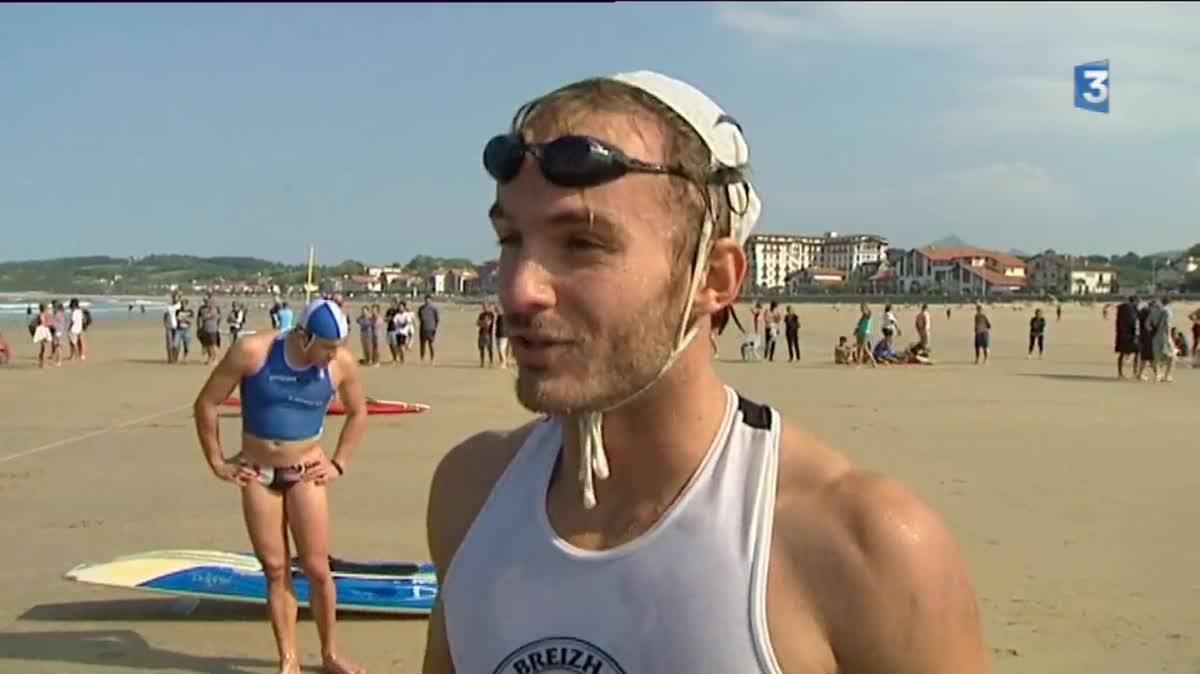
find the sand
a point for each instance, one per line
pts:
(1073, 495)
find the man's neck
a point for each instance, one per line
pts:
(656, 443)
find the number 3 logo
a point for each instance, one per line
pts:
(1097, 80)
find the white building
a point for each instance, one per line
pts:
(772, 258)
(1058, 274)
(963, 270)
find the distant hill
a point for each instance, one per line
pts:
(951, 241)
(154, 273)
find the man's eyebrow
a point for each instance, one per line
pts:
(593, 220)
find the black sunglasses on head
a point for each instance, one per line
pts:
(568, 161)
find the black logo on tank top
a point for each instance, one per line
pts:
(559, 655)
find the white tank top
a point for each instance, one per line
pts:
(688, 595)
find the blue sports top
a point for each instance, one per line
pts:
(282, 403)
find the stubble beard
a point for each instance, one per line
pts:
(606, 370)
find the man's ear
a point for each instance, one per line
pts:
(723, 280)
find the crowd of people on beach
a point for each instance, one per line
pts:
(1144, 332)
(53, 329)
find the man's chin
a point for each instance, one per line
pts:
(564, 395)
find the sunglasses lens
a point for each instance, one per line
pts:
(576, 161)
(502, 157)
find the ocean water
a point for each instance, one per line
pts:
(15, 304)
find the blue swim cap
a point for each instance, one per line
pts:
(323, 319)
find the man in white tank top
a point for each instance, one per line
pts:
(654, 521)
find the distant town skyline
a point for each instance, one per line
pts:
(258, 130)
(384, 259)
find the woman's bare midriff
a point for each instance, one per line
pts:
(278, 453)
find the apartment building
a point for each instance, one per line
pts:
(773, 258)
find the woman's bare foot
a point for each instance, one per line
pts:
(333, 664)
(288, 664)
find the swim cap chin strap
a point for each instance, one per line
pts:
(593, 461)
(724, 138)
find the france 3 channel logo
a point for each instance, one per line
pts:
(1092, 86)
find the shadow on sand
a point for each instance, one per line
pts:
(1110, 379)
(161, 609)
(116, 648)
(128, 649)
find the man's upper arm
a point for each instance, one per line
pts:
(461, 484)
(912, 607)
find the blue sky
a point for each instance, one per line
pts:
(256, 130)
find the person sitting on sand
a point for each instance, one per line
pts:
(842, 353)
(1181, 342)
(5, 351)
(885, 352)
(917, 354)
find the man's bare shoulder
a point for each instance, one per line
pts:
(253, 346)
(462, 482)
(872, 556)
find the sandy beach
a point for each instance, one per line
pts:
(1073, 495)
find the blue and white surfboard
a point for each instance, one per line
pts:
(368, 587)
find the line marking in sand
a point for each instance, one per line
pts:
(92, 434)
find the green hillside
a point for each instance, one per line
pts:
(153, 273)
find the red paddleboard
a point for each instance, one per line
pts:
(373, 406)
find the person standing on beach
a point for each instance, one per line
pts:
(184, 319)
(1163, 347)
(210, 329)
(78, 324)
(285, 317)
(1127, 335)
(405, 322)
(171, 328)
(589, 538)
(1037, 333)
(42, 330)
(1145, 340)
(924, 325)
(429, 317)
(366, 325)
(236, 321)
(791, 331)
(862, 336)
(288, 379)
(891, 327)
(61, 324)
(772, 322)
(485, 326)
(983, 336)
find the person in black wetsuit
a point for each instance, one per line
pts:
(1037, 333)
(791, 330)
(1144, 342)
(1127, 335)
